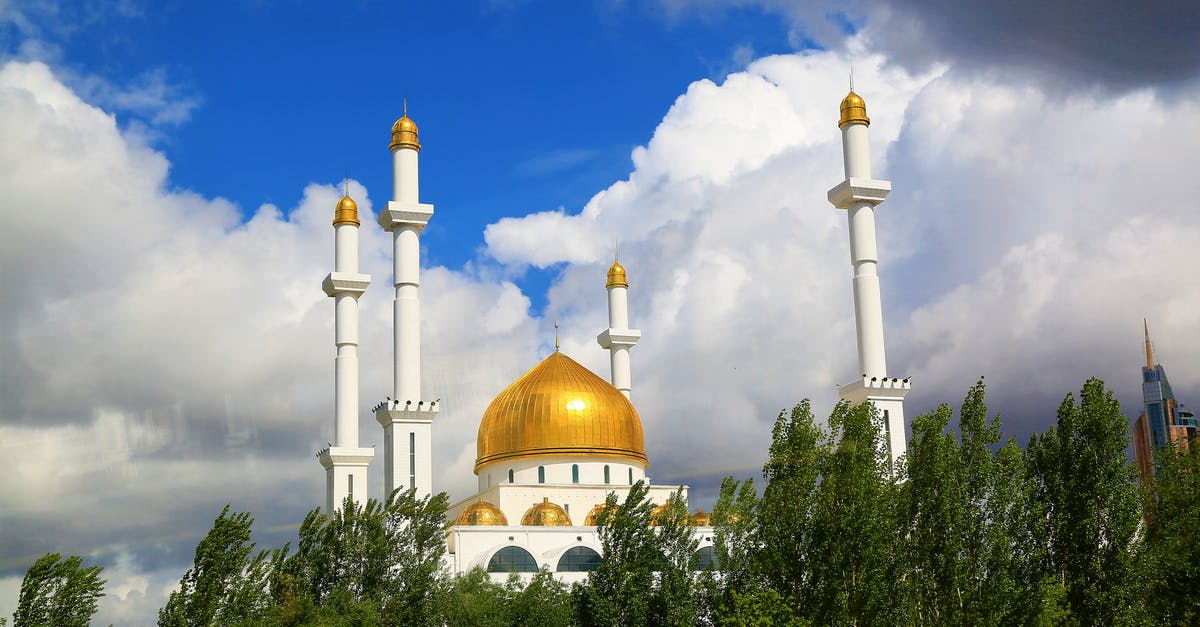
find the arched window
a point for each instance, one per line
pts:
(630, 476)
(705, 559)
(578, 559)
(510, 475)
(574, 473)
(606, 480)
(541, 474)
(512, 559)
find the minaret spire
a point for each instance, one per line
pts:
(859, 194)
(345, 461)
(618, 338)
(406, 418)
(1149, 348)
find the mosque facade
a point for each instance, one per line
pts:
(556, 442)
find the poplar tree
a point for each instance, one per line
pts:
(1088, 508)
(227, 583)
(853, 560)
(57, 591)
(1172, 514)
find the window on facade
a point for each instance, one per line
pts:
(412, 460)
(705, 559)
(578, 559)
(512, 559)
(541, 474)
(510, 475)
(350, 486)
(574, 473)
(606, 479)
(630, 476)
(887, 434)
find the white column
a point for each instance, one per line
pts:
(859, 194)
(406, 417)
(345, 461)
(618, 338)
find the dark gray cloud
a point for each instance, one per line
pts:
(1112, 43)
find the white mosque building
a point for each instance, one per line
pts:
(553, 444)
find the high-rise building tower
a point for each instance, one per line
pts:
(345, 461)
(1164, 420)
(406, 418)
(858, 194)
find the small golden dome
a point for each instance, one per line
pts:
(593, 517)
(701, 519)
(854, 111)
(616, 276)
(546, 514)
(404, 134)
(658, 513)
(482, 514)
(559, 408)
(346, 212)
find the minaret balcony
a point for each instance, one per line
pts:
(853, 191)
(402, 214)
(345, 283)
(618, 338)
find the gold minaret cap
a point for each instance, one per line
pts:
(616, 276)
(404, 132)
(854, 110)
(346, 212)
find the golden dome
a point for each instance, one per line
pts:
(593, 517)
(616, 276)
(701, 519)
(346, 212)
(546, 514)
(404, 134)
(559, 408)
(854, 111)
(482, 514)
(658, 513)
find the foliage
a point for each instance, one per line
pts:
(227, 583)
(1081, 473)
(1172, 506)
(57, 591)
(957, 503)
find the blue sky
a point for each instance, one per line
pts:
(522, 106)
(170, 170)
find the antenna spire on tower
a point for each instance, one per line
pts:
(1149, 349)
(851, 76)
(556, 336)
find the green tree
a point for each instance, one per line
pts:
(618, 592)
(1081, 473)
(957, 504)
(1172, 507)
(543, 602)
(473, 600)
(784, 522)
(674, 598)
(736, 548)
(386, 556)
(58, 592)
(855, 532)
(227, 583)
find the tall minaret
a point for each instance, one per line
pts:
(406, 418)
(858, 195)
(618, 338)
(344, 461)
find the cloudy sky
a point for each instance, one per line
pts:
(169, 172)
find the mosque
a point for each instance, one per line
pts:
(553, 444)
